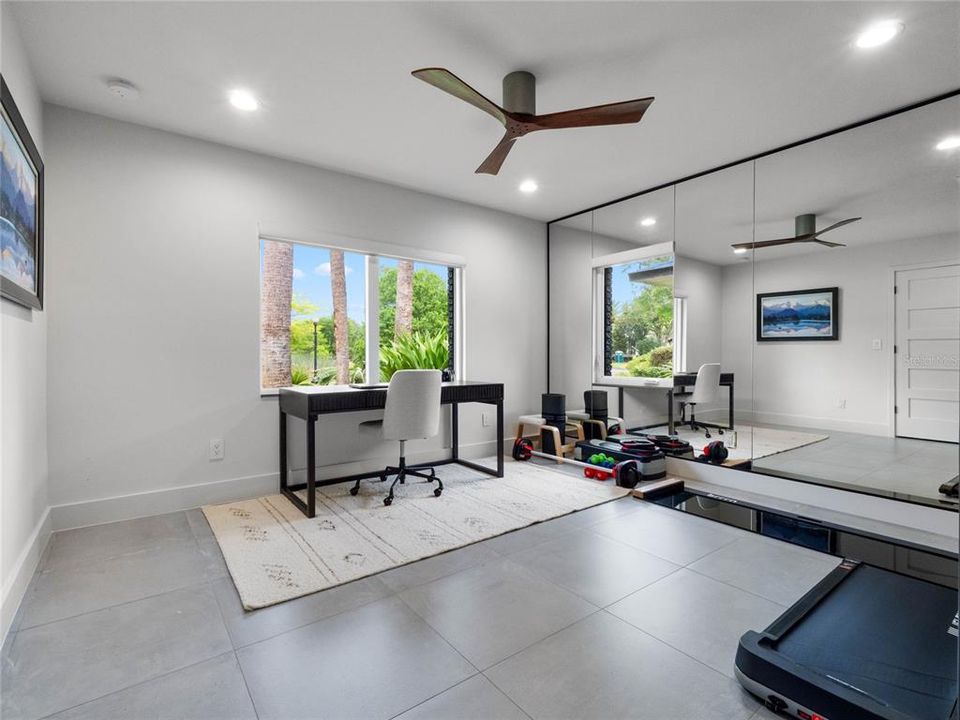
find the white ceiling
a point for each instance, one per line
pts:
(730, 79)
(889, 173)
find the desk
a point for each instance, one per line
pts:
(680, 383)
(308, 402)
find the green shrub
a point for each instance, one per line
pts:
(641, 366)
(662, 355)
(414, 351)
(299, 375)
(656, 371)
(328, 375)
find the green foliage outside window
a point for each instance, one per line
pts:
(429, 303)
(658, 363)
(416, 351)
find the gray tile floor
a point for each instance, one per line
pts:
(902, 466)
(622, 610)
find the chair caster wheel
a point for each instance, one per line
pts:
(387, 500)
(354, 490)
(437, 492)
(720, 432)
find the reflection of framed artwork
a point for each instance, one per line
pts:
(21, 208)
(799, 315)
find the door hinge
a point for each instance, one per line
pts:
(894, 349)
(895, 410)
(894, 289)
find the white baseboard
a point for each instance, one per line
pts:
(184, 497)
(16, 583)
(801, 421)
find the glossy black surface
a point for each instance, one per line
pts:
(900, 557)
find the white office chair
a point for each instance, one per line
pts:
(706, 390)
(412, 412)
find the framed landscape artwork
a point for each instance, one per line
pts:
(21, 208)
(799, 315)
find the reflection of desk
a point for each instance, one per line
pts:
(306, 403)
(681, 382)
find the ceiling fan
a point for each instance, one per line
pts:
(519, 107)
(805, 232)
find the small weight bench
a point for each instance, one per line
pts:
(541, 426)
(582, 416)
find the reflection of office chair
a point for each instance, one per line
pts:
(412, 412)
(706, 390)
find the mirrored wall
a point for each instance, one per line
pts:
(816, 291)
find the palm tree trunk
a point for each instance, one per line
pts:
(275, 295)
(338, 283)
(403, 320)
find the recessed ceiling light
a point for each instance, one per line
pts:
(243, 100)
(949, 143)
(879, 34)
(739, 251)
(648, 222)
(528, 186)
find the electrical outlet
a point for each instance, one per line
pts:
(216, 449)
(485, 419)
(877, 345)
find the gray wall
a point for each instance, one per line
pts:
(802, 383)
(23, 396)
(153, 295)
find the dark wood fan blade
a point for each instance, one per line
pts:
(828, 244)
(491, 166)
(772, 243)
(450, 83)
(763, 243)
(618, 113)
(836, 225)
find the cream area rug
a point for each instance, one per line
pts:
(275, 553)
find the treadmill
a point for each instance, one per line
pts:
(863, 644)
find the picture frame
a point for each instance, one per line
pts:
(21, 208)
(799, 315)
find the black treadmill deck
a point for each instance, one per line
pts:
(865, 643)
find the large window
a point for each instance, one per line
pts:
(635, 317)
(335, 316)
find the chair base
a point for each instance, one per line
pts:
(694, 425)
(402, 471)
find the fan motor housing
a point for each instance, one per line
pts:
(805, 224)
(520, 92)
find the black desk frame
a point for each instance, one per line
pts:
(307, 404)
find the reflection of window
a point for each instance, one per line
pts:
(635, 315)
(334, 316)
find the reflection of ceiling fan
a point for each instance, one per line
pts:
(806, 232)
(519, 107)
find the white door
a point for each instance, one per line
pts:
(928, 353)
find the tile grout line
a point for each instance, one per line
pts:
(120, 604)
(311, 622)
(436, 694)
(134, 685)
(682, 652)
